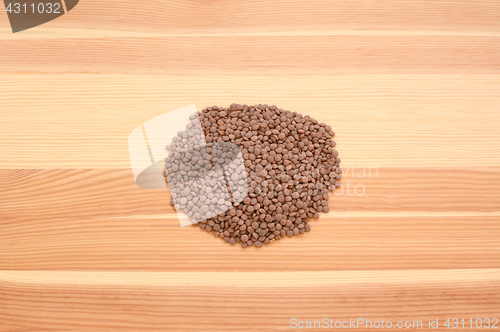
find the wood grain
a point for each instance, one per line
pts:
(412, 89)
(170, 301)
(424, 120)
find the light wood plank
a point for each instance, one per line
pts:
(60, 194)
(255, 16)
(152, 301)
(106, 244)
(99, 220)
(425, 120)
(255, 55)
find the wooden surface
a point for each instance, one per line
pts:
(412, 89)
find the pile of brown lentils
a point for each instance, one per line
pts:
(290, 165)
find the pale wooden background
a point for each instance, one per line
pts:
(411, 87)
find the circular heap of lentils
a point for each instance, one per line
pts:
(291, 166)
